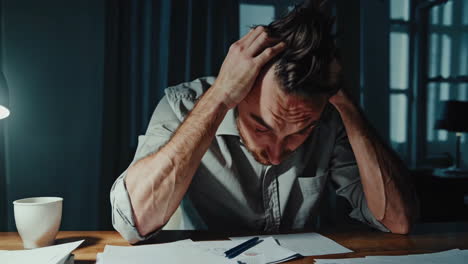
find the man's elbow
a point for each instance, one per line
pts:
(146, 230)
(404, 219)
(402, 229)
(401, 225)
(125, 229)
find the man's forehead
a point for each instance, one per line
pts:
(294, 107)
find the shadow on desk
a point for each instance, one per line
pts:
(200, 235)
(88, 241)
(419, 230)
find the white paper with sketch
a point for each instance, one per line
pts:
(267, 250)
(45, 255)
(168, 253)
(306, 244)
(454, 256)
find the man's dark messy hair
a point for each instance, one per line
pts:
(309, 65)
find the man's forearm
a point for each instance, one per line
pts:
(384, 176)
(157, 183)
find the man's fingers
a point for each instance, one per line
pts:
(246, 35)
(251, 37)
(262, 42)
(269, 53)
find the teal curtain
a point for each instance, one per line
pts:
(150, 46)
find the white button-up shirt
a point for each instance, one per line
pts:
(232, 191)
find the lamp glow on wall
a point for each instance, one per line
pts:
(4, 97)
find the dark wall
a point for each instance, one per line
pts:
(53, 62)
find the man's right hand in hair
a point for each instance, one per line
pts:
(157, 183)
(245, 59)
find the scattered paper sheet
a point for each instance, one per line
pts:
(454, 256)
(44, 255)
(306, 244)
(273, 252)
(168, 253)
(219, 247)
(267, 251)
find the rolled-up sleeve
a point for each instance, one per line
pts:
(163, 123)
(344, 173)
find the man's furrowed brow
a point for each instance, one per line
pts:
(260, 120)
(312, 124)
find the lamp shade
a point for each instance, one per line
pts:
(4, 97)
(453, 116)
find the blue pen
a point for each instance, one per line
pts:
(237, 250)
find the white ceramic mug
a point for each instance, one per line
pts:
(38, 220)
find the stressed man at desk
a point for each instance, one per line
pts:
(254, 148)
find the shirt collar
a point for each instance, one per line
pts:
(228, 126)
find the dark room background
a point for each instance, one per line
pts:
(84, 78)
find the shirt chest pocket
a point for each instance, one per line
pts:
(305, 198)
(311, 186)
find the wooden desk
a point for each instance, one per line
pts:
(425, 238)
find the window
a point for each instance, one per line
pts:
(447, 58)
(254, 14)
(261, 12)
(399, 75)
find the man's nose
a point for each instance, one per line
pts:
(274, 153)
